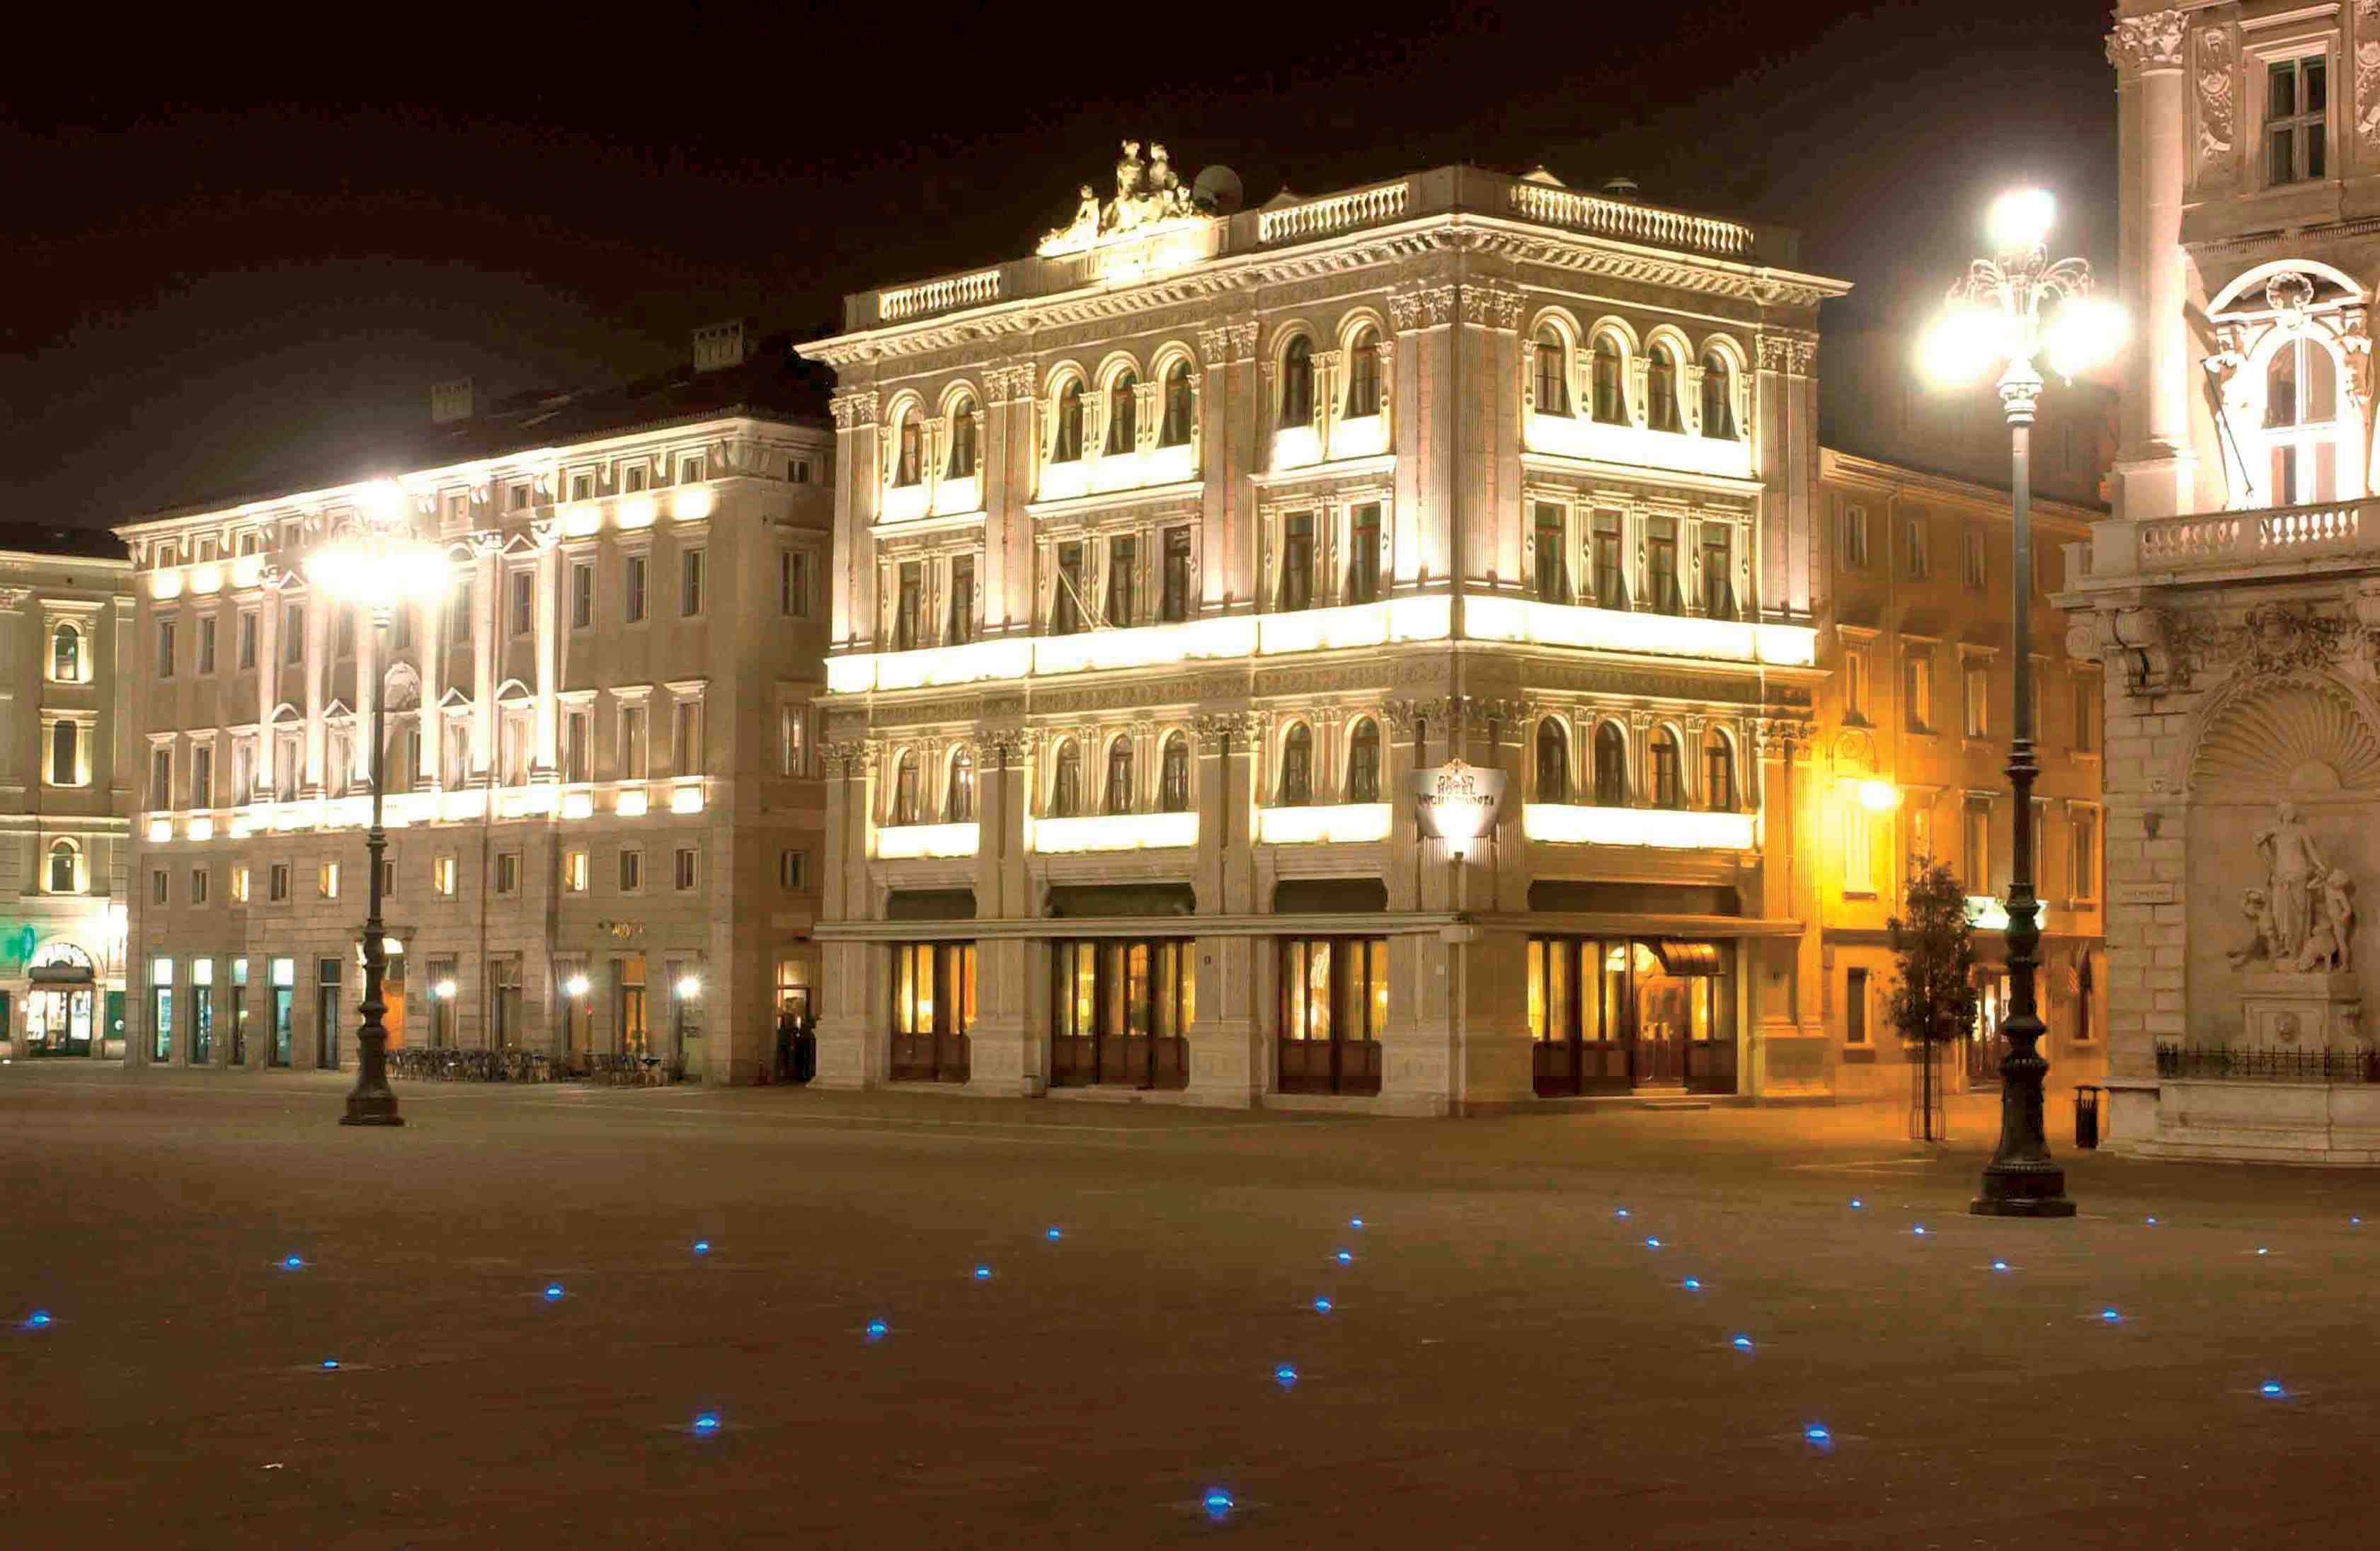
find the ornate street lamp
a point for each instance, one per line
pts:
(2006, 311)
(376, 562)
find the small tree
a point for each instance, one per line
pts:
(1934, 1003)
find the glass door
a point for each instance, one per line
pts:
(1335, 1004)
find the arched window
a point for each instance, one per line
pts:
(1553, 762)
(1173, 429)
(1123, 414)
(1067, 445)
(905, 790)
(909, 466)
(1611, 398)
(1173, 776)
(1119, 797)
(1610, 766)
(962, 460)
(1066, 785)
(1662, 389)
(1297, 382)
(1668, 771)
(63, 740)
(65, 867)
(1363, 373)
(1553, 372)
(1718, 771)
(66, 655)
(1719, 396)
(1297, 768)
(958, 803)
(1363, 762)
(2300, 424)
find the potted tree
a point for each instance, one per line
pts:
(1934, 1003)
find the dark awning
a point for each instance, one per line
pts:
(1576, 898)
(1329, 896)
(1081, 901)
(1690, 958)
(59, 974)
(930, 904)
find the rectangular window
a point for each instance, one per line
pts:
(633, 477)
(689, 583)
(202, 776)
(161, 776)
(582, 595)
(1974, 569)
(1123, 582)
(326, 882)
(443, 875)
(1855, 1008)
(961, 626)
(684, 877)
(388, 880)
(201, 880)
(507, 872)
(1552, 560)
(161, 886)
(164, 648)
(1610, 562)
(577, 737)
(1067, 595)
(504, 1001)
(1297, 560)
(1364, 553)
(632, 869)
(1855, 682)
(1859, 850)
(632, 588)
(246, 640)
(685, 739)
(207, 645)
(2296, 101)
(793, 740)
(1855, 537)
(1977, 680)
(792, 870)
(2086, 713)
(933, 992)
(1978, 845)
(1917, 693)
(1661, 564)
(1335, 1004)
(292, 633)
(632, 741)
(2086, 852)
(690, 472)
(524, 602)
(1912, 547)
(276, 882)
(239, 885)
(1174, 605)
(458, 616)
(442, 1004)
(582, 487)
(793, 584)
(1718, 574)
(1920, 834)
(518, 496)
(910, 602)
(574, 872)
(798, 470)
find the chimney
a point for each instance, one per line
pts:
(721, 346)
(451, 401)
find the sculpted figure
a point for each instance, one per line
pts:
(2253, 905)
(1161, 180)
(2295, 864)
(1127, 200)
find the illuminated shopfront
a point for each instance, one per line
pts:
(1617, 1016)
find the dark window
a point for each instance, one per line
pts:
(1297, 768)
(962, 619)
(1668, 769)
(1066, 602)
(1119, 799)
(1553, 763)
(1067, 445)
(904, 791)
(1661, 566)
(1176, 599)
(1610, 766)
(1173, 429)
(1364, 374)
(1553, 569)
(582, 595)
(961, 465)
(1297, 560)
(1123, 414)
(207, 645)
(1173, 776)
(1610, 562)
(246, 640)
(1066, 788)
(1364, 555)
(909, 467)
(1123, 582)
(1552, 373)
(793, 584)
(1718, 571)
(632, 591)
(907, 602)
(524, 602)
(1297, 382)
(1611, 398)
(1718, 771)
(689, 583)
(1661, 383)
(1718, 397)
(958, 803)
(1855, 1007)
(2296, 99)
(1364, 763)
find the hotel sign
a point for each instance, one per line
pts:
(1457, 803)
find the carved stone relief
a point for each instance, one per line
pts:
(2152, 42)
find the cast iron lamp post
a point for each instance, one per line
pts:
(377, 563)
(2003, 313)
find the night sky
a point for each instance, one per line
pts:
(241, 255)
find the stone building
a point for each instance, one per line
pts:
(2234, 597)
(1167, 558)
(603, 802)
(1913, 727)
(66, 769)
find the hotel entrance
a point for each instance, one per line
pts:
(64, 1003)
(1120, 1013)
(1630, 1015)
(933, 1011)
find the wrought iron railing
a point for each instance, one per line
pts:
(2227, 1063)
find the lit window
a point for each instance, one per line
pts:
(443, 876)
(327, 881)
(1297, 382)
(2302, 423)
(1363, 373)
(909, 460)
(962, 445)
(66, 655)
(1719, 396)
(574, 872)
(1123, 414)
(1610, 370)
(1066, 439)
(1173, 429)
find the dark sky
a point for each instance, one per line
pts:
(245, 254)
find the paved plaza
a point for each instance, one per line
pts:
(1506, 1359)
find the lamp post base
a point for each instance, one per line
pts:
(2022, 1193)
(371, 1109)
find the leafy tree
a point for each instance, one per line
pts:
(1932, 1004)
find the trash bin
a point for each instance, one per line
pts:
(2087, 1115)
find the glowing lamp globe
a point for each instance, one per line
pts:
(2020, 219)
(576, 985)
(1879, 796)
(1964, 344)
(688, 988)
(2087, 333)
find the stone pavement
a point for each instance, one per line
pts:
(1506, 1360)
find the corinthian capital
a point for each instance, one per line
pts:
(2147, 42)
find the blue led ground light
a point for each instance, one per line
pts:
(1217, 1504)
(983, 1273)
(37, 1320)
(702, 1246)
(292, 1263)
(1322, 1305)
(706, 1423)
(554, 1292)
(1284, 1376)
(1053, 1235)
(878, 1329)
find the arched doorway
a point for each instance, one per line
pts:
(61, 1008)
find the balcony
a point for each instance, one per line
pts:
(1576, 436)
(1658, 828)
(901, 842)
(1112, 831)
(2331, 536)
(1323, 824)
(1527, 620)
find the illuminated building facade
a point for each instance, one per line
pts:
(602, 795)
(2233, 599)
(66, 632)
(1164, 560)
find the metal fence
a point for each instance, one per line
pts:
(2226, 1062)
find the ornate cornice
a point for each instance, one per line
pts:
(2147, 42)
(853, 407)
(1791, 351)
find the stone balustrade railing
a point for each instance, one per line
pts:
(935, 296)
(1632, 222)
(2230, 538)
(1337, 214)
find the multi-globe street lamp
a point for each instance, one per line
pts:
(2006, 311)
(376, 562)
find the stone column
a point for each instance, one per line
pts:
(1231, 436)
(487, 585)
(1008, 1054)
(854, 509)
(1230, 1063)
(1790, 1051)
(318, 606)
(2154, 462)
(546, 615)
(855, 991)
(268, 683)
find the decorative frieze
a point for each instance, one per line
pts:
(853, 407)
(2147, 42)
(2217, 89)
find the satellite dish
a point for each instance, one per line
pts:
(1217, 189)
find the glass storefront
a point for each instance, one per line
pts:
(1121, 1012)
(933, 1011)
(1614, 1016)
(1334, 1003)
